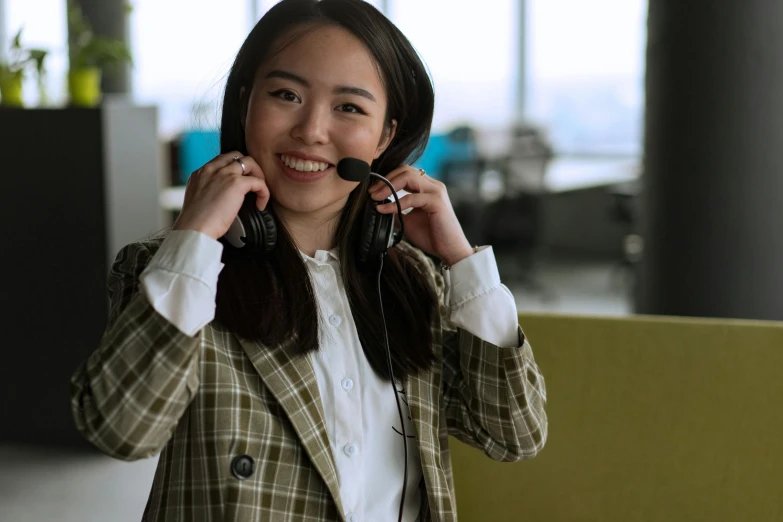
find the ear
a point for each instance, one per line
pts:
(386, 139)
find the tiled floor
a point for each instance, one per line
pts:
(43, 486)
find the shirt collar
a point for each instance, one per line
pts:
(322, 257)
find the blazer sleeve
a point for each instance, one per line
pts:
(128, 396)
(493, 397)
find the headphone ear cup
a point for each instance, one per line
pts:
(374, 235)
(367, 232)
(260, 227)
(270, 230)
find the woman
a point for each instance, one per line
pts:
(263, 380)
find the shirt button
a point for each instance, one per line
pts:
(350, 449)
(352, 517)
(335, 320)
(347, 384)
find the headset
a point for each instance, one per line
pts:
(255, 231)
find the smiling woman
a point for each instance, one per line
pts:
(300, 108)
(264, 378)
(321, 85)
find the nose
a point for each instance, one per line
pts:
(311, 128)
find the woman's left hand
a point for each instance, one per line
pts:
(431, 225)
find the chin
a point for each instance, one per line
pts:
(307, 205)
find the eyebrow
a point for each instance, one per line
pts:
(340, 89)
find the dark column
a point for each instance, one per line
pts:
(712, 203)
(110, 18)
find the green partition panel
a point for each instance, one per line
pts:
(650, 419)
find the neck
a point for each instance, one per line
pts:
(311, 231)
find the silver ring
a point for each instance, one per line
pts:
(238, 159)
(422, 172)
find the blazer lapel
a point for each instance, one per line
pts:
(291, 379)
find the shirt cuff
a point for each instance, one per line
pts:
(479, 303)
(180, 281)
(475, 275)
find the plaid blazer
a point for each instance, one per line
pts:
(203, 402)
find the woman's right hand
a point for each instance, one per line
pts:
(215, 193)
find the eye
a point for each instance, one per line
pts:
(350, 108)
(286, 95)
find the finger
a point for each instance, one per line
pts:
(244, 166)
(216, 165)
(429, 203)
(408, 171)
(376, 183)
(251, 167)
(259, 186)
(221, 161)
(409, 180)
(390, 176)
(400, 170)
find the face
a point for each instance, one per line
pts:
(319, 100)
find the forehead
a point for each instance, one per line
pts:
(326, 55)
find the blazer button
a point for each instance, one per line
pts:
(242, 467)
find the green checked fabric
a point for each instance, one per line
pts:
(207, 402)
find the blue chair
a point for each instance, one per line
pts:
(456, 146)
(195, 149)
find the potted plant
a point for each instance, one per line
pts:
(89, 53)
(12, 73)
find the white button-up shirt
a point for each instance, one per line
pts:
(362, 419)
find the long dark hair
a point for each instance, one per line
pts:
(270, 298)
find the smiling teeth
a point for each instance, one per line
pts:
(303, 165)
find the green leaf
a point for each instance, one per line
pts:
(87, 49)
(16, 43)
(38, 56)
(20, 59)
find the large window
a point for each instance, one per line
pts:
(183, 51)
(584, 61)
(44, 25)
(184, 48)
(586, 73)
(470, 48)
